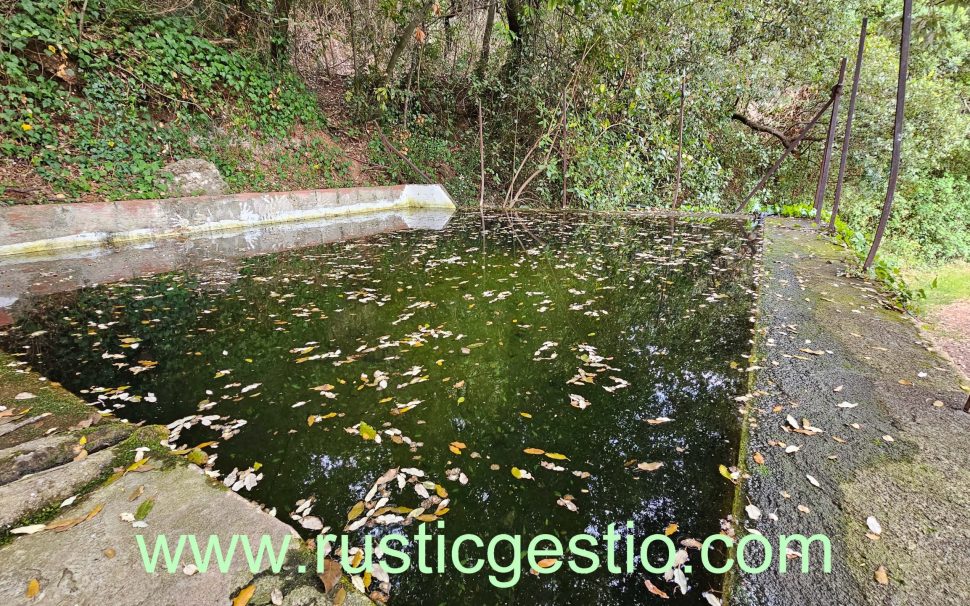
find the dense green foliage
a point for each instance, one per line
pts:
(612, 73)
(104, 110)
(579, 100)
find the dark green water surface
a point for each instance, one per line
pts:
(460, 339)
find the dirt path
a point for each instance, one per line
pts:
(952, 332)
(853, 416)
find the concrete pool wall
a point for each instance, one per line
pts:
(39, 229)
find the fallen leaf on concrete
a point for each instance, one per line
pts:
(874, 526)
(137, 492)
(33, 588)
(28, 529)
(813, 481)
(881, 576)
(753, 512)
(758, 458)
(243, 597)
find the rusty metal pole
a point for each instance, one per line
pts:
(788, 150)
(823, 175)
(897, 131)
(857, 72)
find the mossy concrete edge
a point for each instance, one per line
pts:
(26, 230)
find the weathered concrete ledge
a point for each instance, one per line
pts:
(87, 553)
(40, 229)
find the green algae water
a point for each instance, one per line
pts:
(525, 374)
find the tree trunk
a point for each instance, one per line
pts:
(823, 176)
(405, 38)
(486, 39)
(516, 26)
(680, 141)
(848, 126)
(280, 31)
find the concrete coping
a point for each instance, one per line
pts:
(34, 229)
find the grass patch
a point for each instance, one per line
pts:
(944, 284)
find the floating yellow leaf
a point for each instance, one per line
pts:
(367, 432)
(655, 591)
(557, 456)
(534, 451)
(649, 466)
(355, 511)
(671, 529)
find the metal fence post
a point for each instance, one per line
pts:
(848, 125)
(823, 176)
(897, 131)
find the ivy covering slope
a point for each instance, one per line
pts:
(97, 102)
